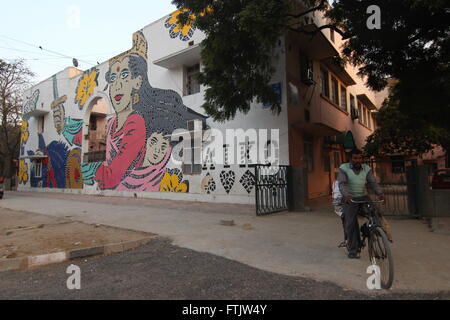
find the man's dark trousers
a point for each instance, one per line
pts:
(351, 225)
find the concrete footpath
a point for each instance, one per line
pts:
(298, 244)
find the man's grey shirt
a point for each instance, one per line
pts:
(371, 182)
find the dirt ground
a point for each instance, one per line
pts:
(23, 234)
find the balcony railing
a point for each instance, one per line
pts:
(96, 156)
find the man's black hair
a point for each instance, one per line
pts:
(355, 151)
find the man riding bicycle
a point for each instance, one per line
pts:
(352, 179)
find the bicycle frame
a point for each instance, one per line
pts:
(374, 233)
(370, 212)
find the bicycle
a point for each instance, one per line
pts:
(377, 242)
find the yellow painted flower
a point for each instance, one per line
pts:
(176, 29)
(25, 134)
(171, 183)
(86, 87)
(187, 31)
(23, 172)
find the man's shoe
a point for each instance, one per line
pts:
(353, 256)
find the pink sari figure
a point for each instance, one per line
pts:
(126, 150)
(138, 138)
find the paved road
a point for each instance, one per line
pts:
(161, 270)
(299, 244)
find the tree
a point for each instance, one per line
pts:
(412, 46)
(14, 78)
(241, 38)
(241, 35)
(401, 134)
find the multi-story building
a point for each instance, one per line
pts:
(109, 130)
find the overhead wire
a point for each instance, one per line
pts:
(47, 50)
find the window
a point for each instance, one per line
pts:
(40, 125)
(352, 102)
(192, 85)
(38, 169)
(353, 109)
(361, 113)
(365, 115)
(337, 160)
(93, 123)
(325, 81)
(334, 90)
(309, 152)
(94, 156)
(306, 70)
(326, 163)
(344, 103)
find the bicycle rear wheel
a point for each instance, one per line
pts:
(381, 255)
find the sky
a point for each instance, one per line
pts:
(90, 30)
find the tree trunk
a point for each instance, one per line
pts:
(7, 168)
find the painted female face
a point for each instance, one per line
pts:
(122, 84)
(157, 148)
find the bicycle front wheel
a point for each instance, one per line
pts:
(381, 255)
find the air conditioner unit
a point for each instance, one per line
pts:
(308, 77)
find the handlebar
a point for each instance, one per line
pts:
(371, 201)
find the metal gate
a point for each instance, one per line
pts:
(272, 189)
(399, 181)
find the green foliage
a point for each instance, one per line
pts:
(241, 37)
(412, 46)
(400, 133)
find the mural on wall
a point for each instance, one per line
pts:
(228, 178)
(73, 131)
(138, 146)
(74, 178)
(86, 86)
(54, 159)
(54, 166)
(173, 182)
(88, 171)
(25, 134)
(176, 30)
(60, 166)
(23, 172)
(59, 113)
(70, 129)
(248, 181)
(208, 184)
(57, 153)
(31, 102)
